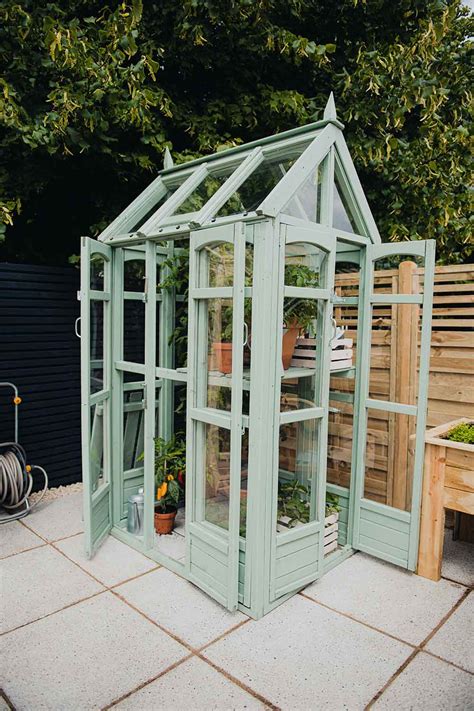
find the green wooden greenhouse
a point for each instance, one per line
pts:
(231, 336)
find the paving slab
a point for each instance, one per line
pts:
(179, 606)
(57, 518)
(303, 656)
(84, 657)
(38, 582)
(387, 597)
(15, 538)
(194, 685)
(427, 684)
(113, 563)
(458, 560)
(172, 545)
(454, 641)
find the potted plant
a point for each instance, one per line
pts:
(170, 467)
(222, 350)
(293, 511)
(298, 314)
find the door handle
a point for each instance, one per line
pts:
(76, 326)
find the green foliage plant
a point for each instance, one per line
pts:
(462, 433)
(170, 467)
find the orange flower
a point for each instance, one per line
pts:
(161, 490)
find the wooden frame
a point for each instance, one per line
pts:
(258, 572)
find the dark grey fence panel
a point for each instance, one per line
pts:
(40, 353)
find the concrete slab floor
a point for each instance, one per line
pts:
(81, 637)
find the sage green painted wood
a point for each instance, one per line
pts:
(97, 502)
(384, 531)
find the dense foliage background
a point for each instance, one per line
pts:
(91, 92)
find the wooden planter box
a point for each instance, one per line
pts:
(331, 530)
(448, 483)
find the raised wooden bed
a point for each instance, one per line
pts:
(448, 483)
(331, 530)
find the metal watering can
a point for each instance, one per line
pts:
(135, 506)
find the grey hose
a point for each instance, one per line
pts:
(16, 481)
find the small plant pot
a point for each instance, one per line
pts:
(290, 336)
(164, 522)
(222, 357)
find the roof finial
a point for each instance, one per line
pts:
(167, 161)
(330, 110)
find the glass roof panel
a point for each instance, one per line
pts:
(342, 218)
(258, 185)
(204, 191)
(156, 205)
(306, 202)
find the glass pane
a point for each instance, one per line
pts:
(341, 216)
(257, 186)
(134, 275)
(394, 353)
(96, 346)
(97, 272)
(203, 192)
(217, 476)
(297, 474)
(305, 265)
(347, 279)
(389, 458)
(156, 205)
(96, 451)
(133, 417)
(306, 203)
(134, 331)
(299, 393)
(398, 275)
(341, 423)
(217, 265)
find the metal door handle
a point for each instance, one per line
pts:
(76, 326)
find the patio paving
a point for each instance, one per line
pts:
(120, 631)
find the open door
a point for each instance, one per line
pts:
(95, 300)
(215, 428)
(393, 390)
(297, 548)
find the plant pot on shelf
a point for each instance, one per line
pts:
(164, 522)
(290, 336)
(222, 353)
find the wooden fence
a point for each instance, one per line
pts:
(393, 374)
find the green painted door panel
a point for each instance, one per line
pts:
(95, 297)
(393, 389)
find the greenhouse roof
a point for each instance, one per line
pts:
(285, 173)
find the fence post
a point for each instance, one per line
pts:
(405, 336)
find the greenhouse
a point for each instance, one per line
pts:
(235, 385)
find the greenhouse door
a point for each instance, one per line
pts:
(215, 427)
(302, 426)
(393, 390)
(96, 275)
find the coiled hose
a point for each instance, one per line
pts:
(16, 481)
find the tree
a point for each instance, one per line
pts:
(93, 92)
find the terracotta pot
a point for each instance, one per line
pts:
(290, 336)
(222, 357)
(164, 522)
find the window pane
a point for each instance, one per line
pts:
(169, 192)
(134, 331)
(203, 192)
(297, 474)
(389, 458)
(341, 423)
(96, 450)
(257, 186)
(398, 275)
(96, 346)
(394, 353)
(97, 272)
(217, 265)
(305, 265)
(341, 217)
(306, 203)
(134, 275)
